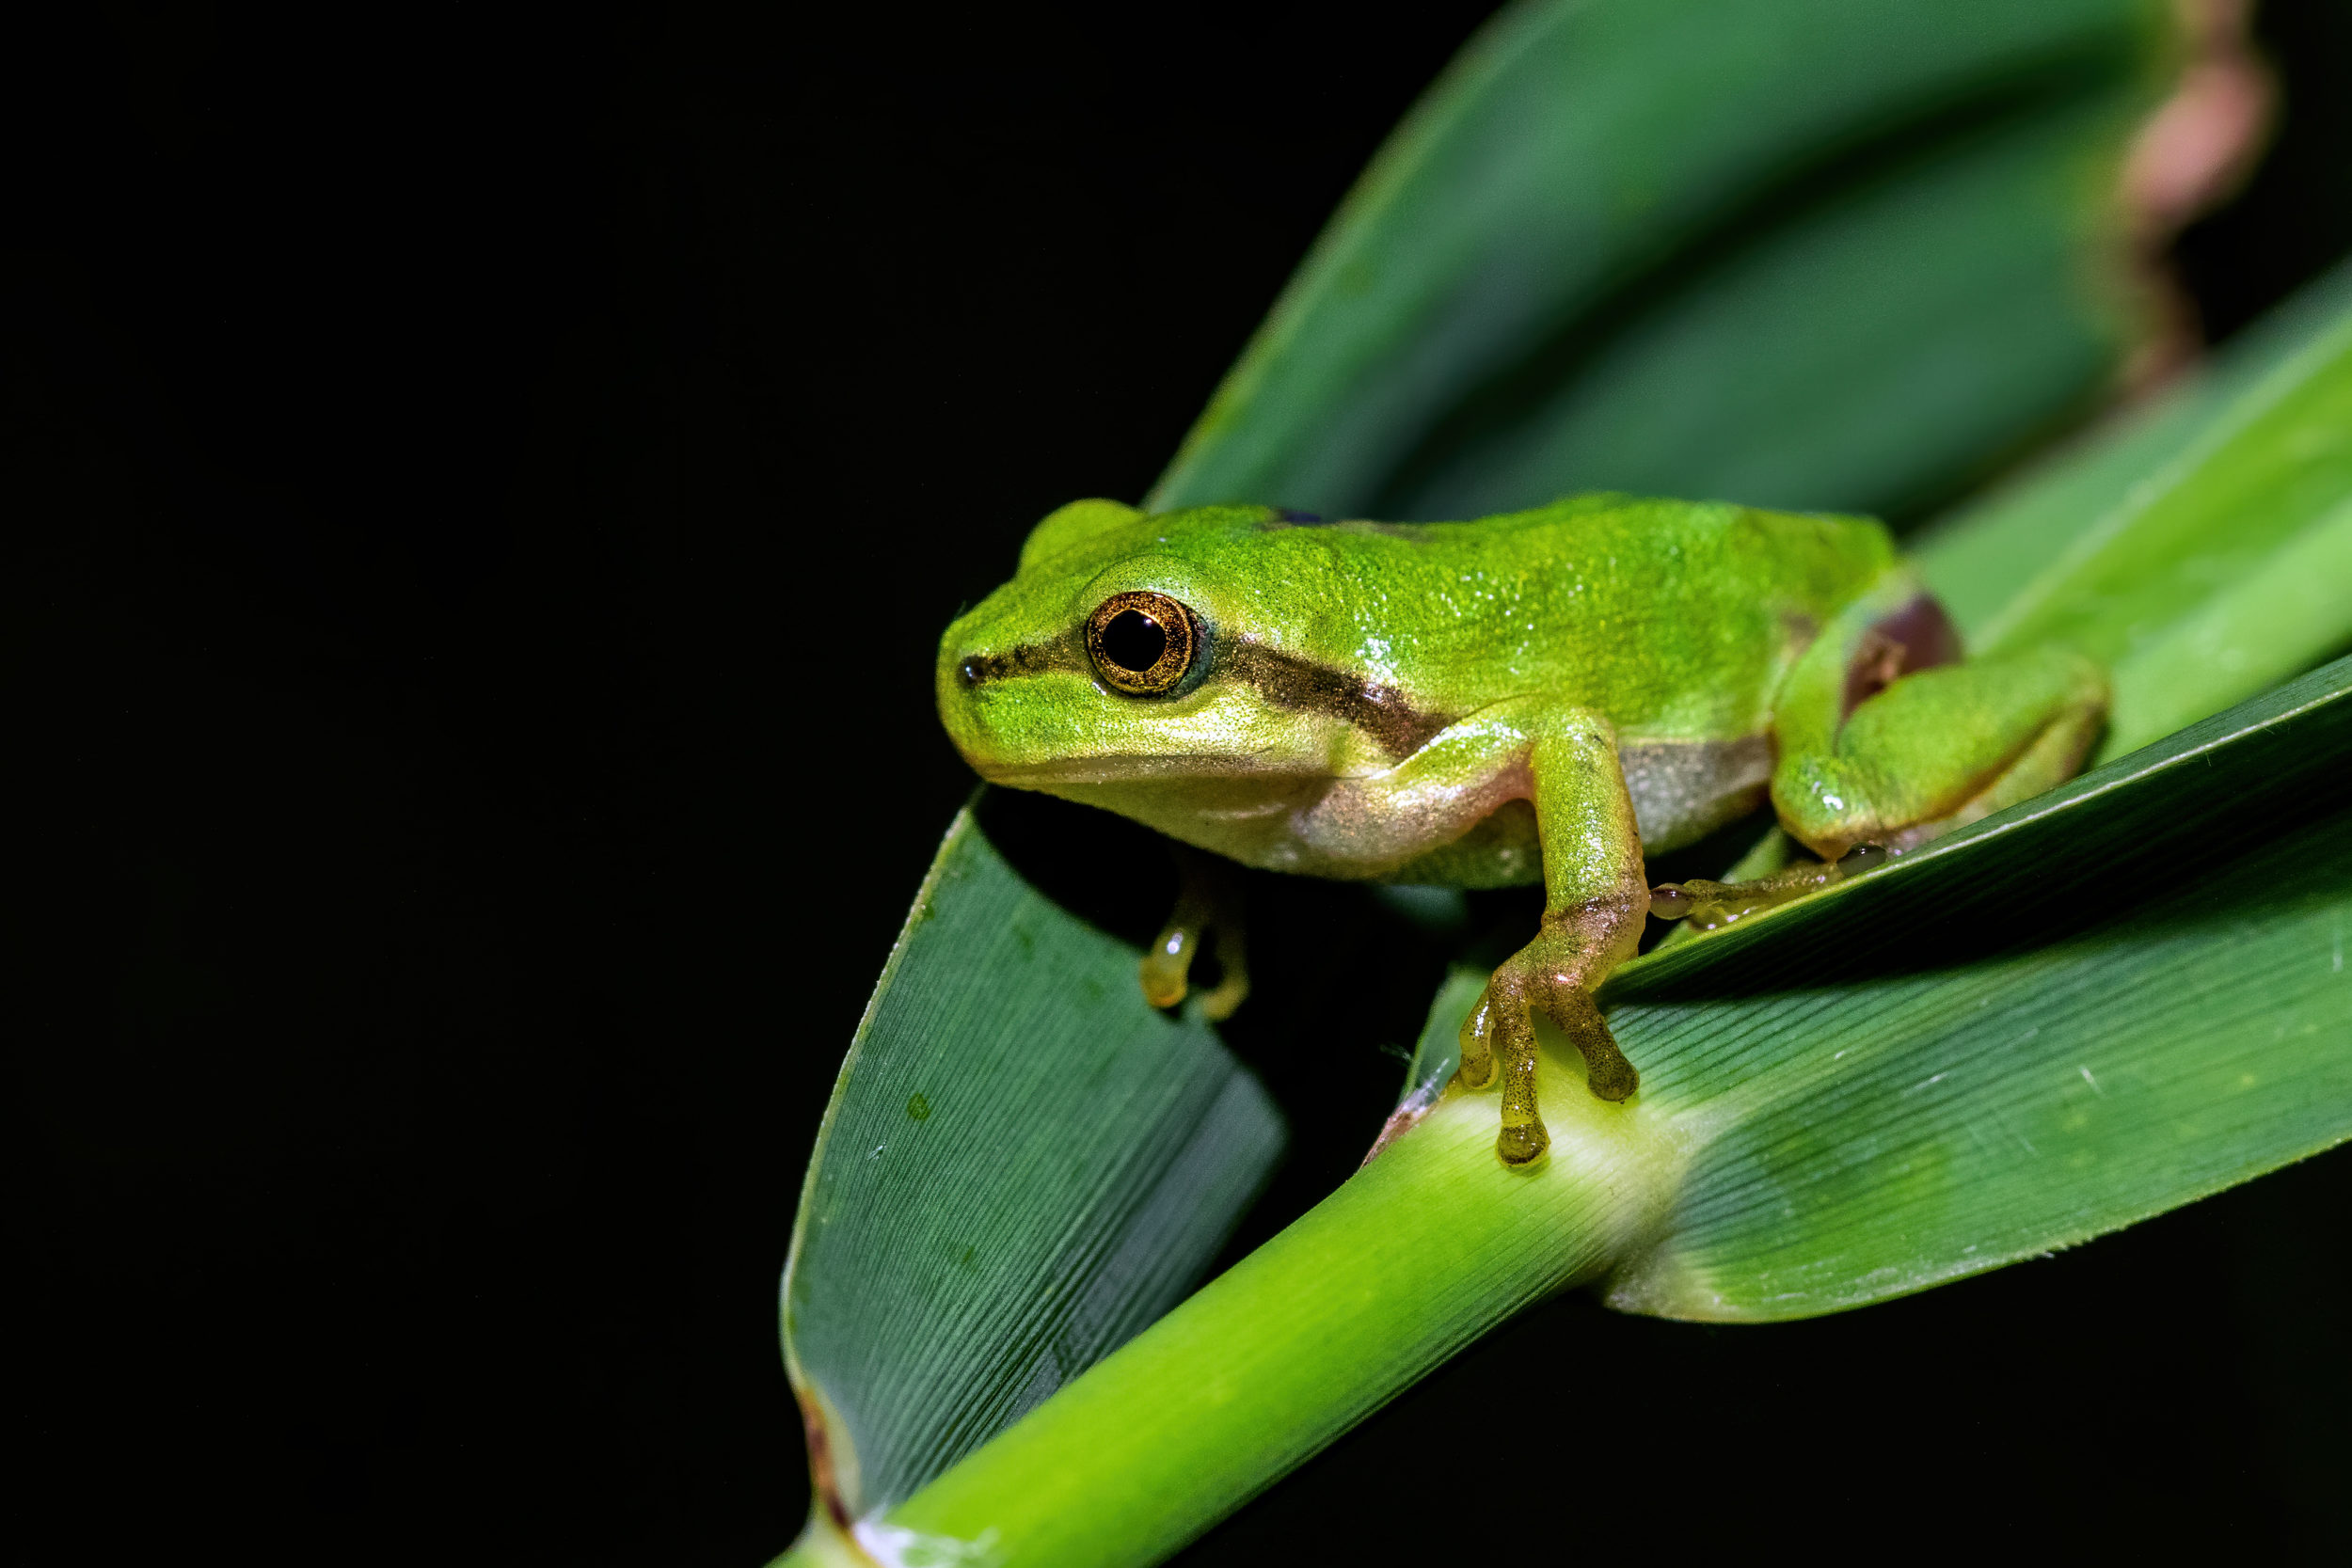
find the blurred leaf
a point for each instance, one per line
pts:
(2202, 549)
(2269, 623)
(1813, 253)
(1863, 359)
(1022, 1165)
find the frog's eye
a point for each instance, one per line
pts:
(1141, 642)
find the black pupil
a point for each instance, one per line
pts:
(1134, 640)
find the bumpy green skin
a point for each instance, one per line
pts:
(1541, 694)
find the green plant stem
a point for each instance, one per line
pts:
(1421, 1252)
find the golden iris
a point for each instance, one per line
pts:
(1141, 642)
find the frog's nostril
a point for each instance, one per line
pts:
(970, 670)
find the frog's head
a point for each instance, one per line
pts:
(1119, 653)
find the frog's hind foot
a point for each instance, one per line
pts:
(1705, 906)
(1208, 909)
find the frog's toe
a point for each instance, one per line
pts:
(1709, 905)
(1523, 1142)
(1166, 968)
(1500, 1038)
(1476, 1038)
(1607, 1072)
(1233, 990)
(1208, 910)
(1608, 1075)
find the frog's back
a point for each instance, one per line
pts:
(1675, 619)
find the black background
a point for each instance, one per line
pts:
(481, 492)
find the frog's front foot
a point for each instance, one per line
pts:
(1705, 905)
(1499, 1034)
(1208, 909)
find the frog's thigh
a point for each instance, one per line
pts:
(1940, 748)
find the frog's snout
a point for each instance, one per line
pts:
(969, 684)
(956, 683)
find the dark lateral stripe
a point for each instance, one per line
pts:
(1030, 658)
(1284, 679)
(1380, 711)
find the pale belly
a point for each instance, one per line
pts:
(1681, 791)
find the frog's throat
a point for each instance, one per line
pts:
(1385, 714)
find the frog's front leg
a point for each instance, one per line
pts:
(1594, 902)
(1564, 764)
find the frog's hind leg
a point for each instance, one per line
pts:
(1942, 748)
(2054, 757)
(1935, 750)
(1705, 905)
(1208, 909)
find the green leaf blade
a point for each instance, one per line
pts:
(2126, 995)
(2274, 621)
(1428, 1246)
(1977, 1118)
(1022, 1166)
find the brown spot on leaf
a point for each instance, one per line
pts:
(821, 1471)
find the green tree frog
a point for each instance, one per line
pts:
(1540, 696)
